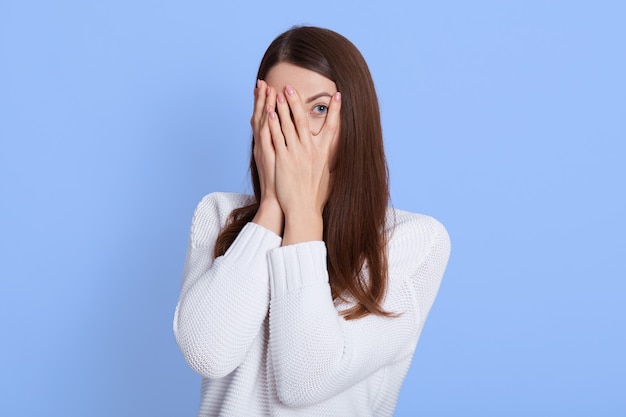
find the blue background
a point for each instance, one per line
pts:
(503, 119)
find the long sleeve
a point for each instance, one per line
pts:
(223, 302)
(314, 352)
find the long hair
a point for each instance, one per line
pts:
(355, 213)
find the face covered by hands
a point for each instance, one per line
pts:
(296, 128)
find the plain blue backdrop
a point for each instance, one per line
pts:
(503, 119)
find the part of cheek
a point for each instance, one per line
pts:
(315, 124)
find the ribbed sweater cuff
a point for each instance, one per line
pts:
(252, 244)
(296, 266)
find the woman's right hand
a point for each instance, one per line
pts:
(270, 214)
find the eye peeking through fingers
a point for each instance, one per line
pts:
(320, 110)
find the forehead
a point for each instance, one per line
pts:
(305, 81)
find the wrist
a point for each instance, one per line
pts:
(303, 227)
(270, 216)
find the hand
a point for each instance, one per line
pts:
(302, 164)
(269, 214)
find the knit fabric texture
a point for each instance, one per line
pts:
(260, 326)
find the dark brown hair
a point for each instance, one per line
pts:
(355, 214)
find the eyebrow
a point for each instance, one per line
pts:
(315, 97)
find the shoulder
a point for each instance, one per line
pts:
(406, 225)
(413, 237)
(221, 204)
(211, 215)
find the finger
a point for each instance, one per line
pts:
(270, 105)
(333, 120)
(278, 139)
(260, 94)
(300, 119)
(263, 139)
(270, 101)
(284, 117)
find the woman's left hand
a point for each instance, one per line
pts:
(302, 164)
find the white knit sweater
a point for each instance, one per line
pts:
(259, 323)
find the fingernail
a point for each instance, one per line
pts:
(258, 82)
(338, 97)
(281, 98)
(290, 90)
(273, 115)
(268, 90)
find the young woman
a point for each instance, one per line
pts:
(308, 298)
